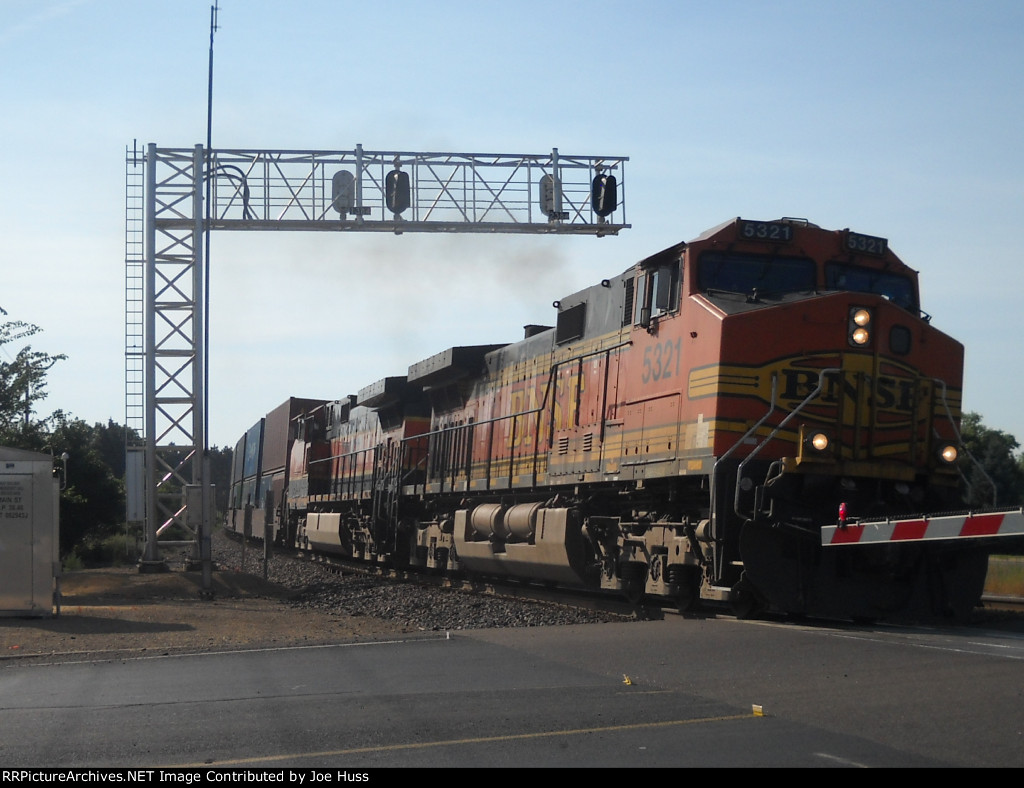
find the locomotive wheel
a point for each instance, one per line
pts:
(686, 598)
(684, 587)
(634, 581)
(744, 601)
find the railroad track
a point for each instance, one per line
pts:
(593, 601)
(509, 589)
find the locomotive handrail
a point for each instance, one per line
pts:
(714, 470)
(537, 411)
(792, 414)
(960, 442)
(579, 358)
(342, 456)
(349, 483)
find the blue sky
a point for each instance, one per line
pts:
(900, 118)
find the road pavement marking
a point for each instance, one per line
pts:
(844, 761)
(461, 742)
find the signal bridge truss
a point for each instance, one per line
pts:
(399, 191)
(173, 196)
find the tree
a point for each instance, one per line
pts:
(92, 503)
(110, 441)
(22, 383)
(220, 476)
(994, 451)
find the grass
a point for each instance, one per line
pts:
(1005, 575)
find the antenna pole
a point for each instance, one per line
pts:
(206, 526)
(206, 234)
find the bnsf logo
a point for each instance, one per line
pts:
(887, 393)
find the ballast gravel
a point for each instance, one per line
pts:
(412, 604)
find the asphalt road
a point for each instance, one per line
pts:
(671, 693)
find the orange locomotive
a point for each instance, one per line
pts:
(690, 429)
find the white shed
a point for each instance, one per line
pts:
(29, 534)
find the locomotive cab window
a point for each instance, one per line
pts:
(312, 428)
(894, 287)
(657, 293)
(755, 275)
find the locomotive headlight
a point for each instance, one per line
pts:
(948, 453)
(816, 445)
(860, 326)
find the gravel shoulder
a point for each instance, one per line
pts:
(116, 613)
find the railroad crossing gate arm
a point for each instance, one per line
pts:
(988, 525)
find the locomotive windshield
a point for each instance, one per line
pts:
(749, 274)
(896, 288)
